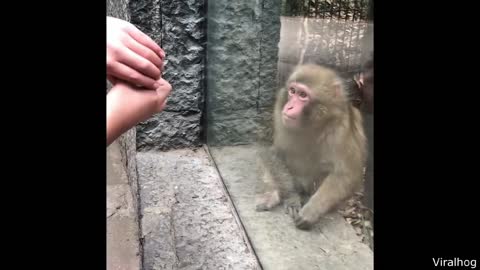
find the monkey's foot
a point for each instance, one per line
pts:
(292, 206)
(303, 224)
(306, 218)
(267, 201)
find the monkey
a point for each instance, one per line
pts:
(364, 86)
(364, 83)
(318, 151)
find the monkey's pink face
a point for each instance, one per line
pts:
(299, 96)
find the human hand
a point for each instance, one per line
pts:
(132, 56)
(128, 105)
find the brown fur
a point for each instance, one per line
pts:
(319, 165)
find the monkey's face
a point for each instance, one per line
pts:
(299, 98)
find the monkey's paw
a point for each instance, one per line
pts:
(262, 207)
(306, 218)
(292, 206)
(267, 201)
(303, 224)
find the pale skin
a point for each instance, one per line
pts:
(134, 66)
(299, 96)
(128, 105)
(132, 56)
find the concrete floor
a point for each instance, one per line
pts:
(332, 244)
(188, 220)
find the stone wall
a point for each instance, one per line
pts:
(242, 58)
(178, 26)
(118, 9)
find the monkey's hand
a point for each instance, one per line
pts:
(307, 217)
(293, 205)
(268, 200)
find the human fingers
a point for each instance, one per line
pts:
(164, 88)
(130, 75)
(142, 38)
(137, 62)
(145, 52)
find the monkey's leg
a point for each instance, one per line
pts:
(335, 189)
(267, 200)
(271, 172)
(271, 197)
(295, 196)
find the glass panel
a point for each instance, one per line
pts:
(292, 171)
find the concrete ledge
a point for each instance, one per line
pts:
(123, 247)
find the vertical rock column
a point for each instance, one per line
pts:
(179, 27)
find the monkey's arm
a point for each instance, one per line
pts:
(335, 188)
(274, 179)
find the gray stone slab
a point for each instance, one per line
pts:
(187, 222)
(332, 244)
(123, 246)
(116, 173)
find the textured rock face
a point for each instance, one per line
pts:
(242, 66)
(169, 130)
(242, 58)
(118, 9)
(178, 26)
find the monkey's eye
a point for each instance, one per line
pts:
(302, 94)
(291, 91)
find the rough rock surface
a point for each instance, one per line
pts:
(178, 26)
(168, 130)
(118, 9)
(242, 67)
(187, 222)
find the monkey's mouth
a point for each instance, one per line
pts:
(287, 117)
(289, 122)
